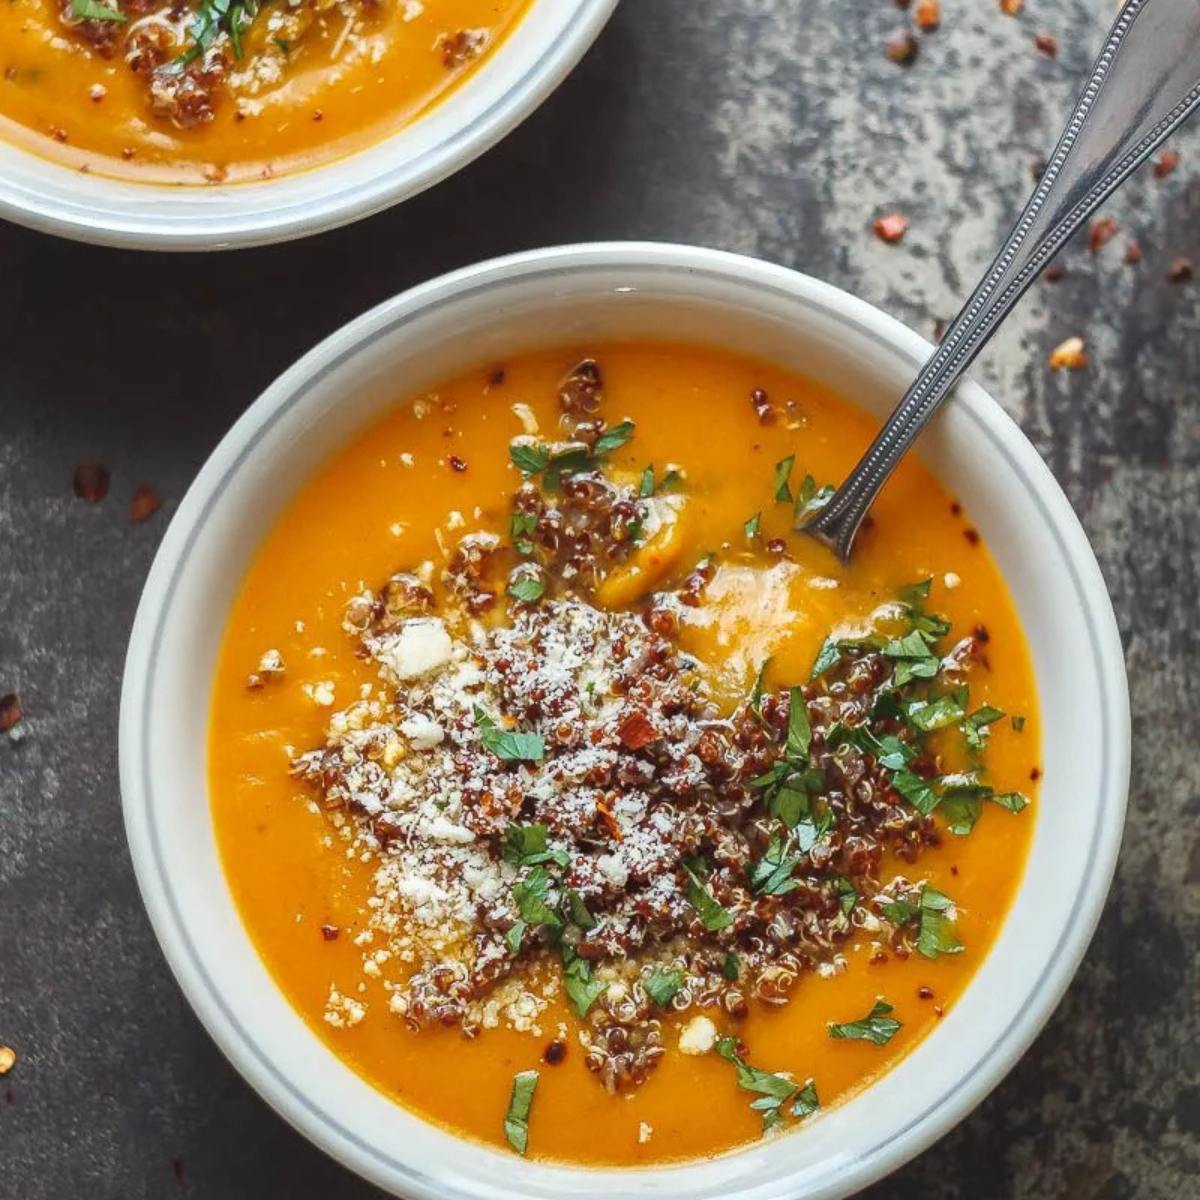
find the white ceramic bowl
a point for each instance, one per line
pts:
(575, 294)
(510, 84)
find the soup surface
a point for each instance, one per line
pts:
(203, 91)
(582, 805)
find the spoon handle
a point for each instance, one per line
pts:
(1144, 85)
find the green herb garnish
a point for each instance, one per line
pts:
(531, 897)
(753, 526)
(528, 589)
(646, 487)
(662, 984)
(582, 990)
(810, 499)
(506, 744)
(526, 846)
(529, 457)
(516, 1120)
(772, 874)
(876, 1027)
(93, 10)
(520, 526)
(781, 484)
(976, 728)
(774, 1090)
(935, 934)
(712, 916)
(614, 438)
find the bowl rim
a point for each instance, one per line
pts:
(78, 220)
(232, 453)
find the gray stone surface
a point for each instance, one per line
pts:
(773, 127)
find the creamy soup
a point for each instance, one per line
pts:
(203, 91)
(581, 804)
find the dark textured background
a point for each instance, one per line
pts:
(773, 127)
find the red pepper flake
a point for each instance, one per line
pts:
(636, 731)
(609, 821)
(928, 15)
(776, 546)
(330, 932)
(91, 482)
(1054, 272)
(58, 134)
(1181, 270)
(901, 47)
(456, 463)
(980, 634)
(11, 711)
(955, 508)
(554, 1053)
(1166, 162)
(1035, 773)
(1047, 43)
(144, 504)
(938, 1010)
(924, 993)
(496, 376)
(890, 228)
(972, 536)
(1133, 252)
(1101, 232)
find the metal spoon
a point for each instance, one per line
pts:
(1144, 85)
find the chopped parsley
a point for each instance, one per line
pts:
(935, 932)
(582, 990)
(772, 874)
(93, 10)
(731, 966)
(528, 589)
(526, 846)
(520, 526)
(614, 438)
(1018, 724)
(712, 915)
(977, 727)
(578, 911)
(774, 1090)
(781, 484)
(646, 487)
(516, 1120)
(876, 1027)
(529, 457)
(662, 984)
(211, 19)
(799, 731)
(810, 499)
(753, 526)
(507, 744)
(531, 896)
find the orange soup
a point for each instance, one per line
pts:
(580, 803)
(207, 91)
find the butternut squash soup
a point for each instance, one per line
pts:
(212, 90)
(581, 804)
